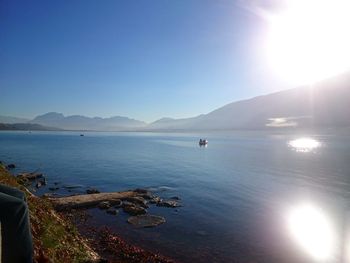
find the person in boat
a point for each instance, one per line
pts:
(202, 142)
(16, 238)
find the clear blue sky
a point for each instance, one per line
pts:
(141, 59)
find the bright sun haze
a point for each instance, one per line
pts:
(308, 40)
(312, 230)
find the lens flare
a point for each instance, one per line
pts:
(308, 40)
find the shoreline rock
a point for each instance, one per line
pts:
(74, 244)
(92, 191)
(30, 176)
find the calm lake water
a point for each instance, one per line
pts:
(247, 197)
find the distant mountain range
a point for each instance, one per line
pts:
(57, 121)
(11, 120)
(325, 104)
(77, 122)
(25, 127)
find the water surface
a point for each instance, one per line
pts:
(237, 193)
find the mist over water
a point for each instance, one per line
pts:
(245, 197)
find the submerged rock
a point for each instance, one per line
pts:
(164, 188)
(155, 200)
(104, 205)
(175, 198)
(112, 211)
(11, 166)
(146, 220)
(41, 183)
(134, 210)
(137, 200)
(169, 203)
(146, 196)
(92, 191)
(126, 203)
(117, 203)
(53, 188)
(72, 186)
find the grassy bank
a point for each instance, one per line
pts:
(55, 238)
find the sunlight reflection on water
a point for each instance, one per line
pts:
(312, 230)
(304, 144)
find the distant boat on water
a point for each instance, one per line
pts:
(203, 142)
(81, 134)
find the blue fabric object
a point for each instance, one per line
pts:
(17, 243)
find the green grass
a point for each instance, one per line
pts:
(53, 235)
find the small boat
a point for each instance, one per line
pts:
(81, 134)
(203, 142)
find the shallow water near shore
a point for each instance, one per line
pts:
(237, 193)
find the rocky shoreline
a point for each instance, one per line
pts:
(108, 245)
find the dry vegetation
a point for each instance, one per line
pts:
(55, 239)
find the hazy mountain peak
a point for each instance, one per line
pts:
(164, 119)
(325, 104)
(50, 115)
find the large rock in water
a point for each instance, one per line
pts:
(155, 200)
(137, 200)
(146, 220)
(134, 210)
(104, 205)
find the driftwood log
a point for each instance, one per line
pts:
(90, 200)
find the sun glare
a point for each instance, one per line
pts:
(304, 144)
(309, 40)
(312, 231)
